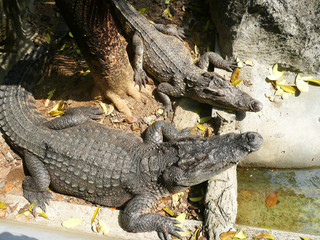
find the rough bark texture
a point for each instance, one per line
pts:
(95, 32)
(277, 31)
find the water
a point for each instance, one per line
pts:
(298, 209)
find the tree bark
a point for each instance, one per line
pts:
(103, 48)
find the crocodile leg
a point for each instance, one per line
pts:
(73, 117)
(140, 75)
(35, 186)
(172, 30)
(176, 89)
(161, 129)
(136, 218)
(216, 60)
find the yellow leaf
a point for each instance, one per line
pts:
(313, 81)
(170, 212)
(267, 236)
(196, 234)
(239, 63)
(227, 235)
(72, 222)
(275, 74)
(31, 206)
(95, 214)
(236, 82)
(200, 127)
(185, 233)
(305, 238)
(175, 199)
(196, 49)
(279, 92)
(86, 73)
(301, 84)
(196, 199)
(108, 109)
(103, 227)
(181, 218)
(240, 235)
(3, 205)
(58, 109)
(44, 215)
(248, 62)
(288, 89)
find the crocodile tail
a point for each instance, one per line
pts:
(19, 117)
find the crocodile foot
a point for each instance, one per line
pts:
(172, 30)
(40, 199)
(167, 227)
(140, 78)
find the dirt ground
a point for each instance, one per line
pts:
(68, 78)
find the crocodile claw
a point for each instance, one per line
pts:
(169, 227)
(140, 78)
(40, 199)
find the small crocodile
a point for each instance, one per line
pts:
(159, 50)
(77, 156)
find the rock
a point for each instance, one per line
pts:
(274, 31)
(185, 115)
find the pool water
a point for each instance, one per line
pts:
(298, 207)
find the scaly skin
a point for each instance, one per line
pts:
(160, 51)
(77, 156)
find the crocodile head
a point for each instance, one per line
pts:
(199, 159)
(221, 93)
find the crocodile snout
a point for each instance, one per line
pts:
(254, 141)
(256, 106)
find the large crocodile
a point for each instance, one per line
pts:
(159, 50)
(77, 156)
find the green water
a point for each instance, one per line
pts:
(298, 209)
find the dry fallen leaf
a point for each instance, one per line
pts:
(275, 74)
(227, 235)
(272, 199)
(265, 236)
(301, 84)
(72, 222)
(235, 74)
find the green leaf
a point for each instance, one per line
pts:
(207, 25)
(70, 34)
(48, 38)
(142, 10)
(195, 199)
(86, 73)
(204, 119)
(63, 47)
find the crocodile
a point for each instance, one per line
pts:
(75, 155)
(159, 50)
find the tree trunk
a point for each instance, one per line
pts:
(104, 50)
